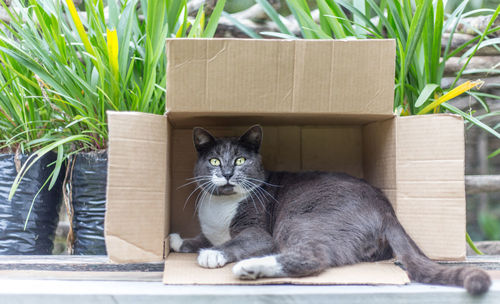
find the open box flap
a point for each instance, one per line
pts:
(430, 169)
(181, 268)
(136, 187)
(418, 162)
(354, 77)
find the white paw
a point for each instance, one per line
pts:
(175, 242)
(251, 269)
(210, 258)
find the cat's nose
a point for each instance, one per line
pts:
(227, 176)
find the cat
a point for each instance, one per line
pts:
(277, 224)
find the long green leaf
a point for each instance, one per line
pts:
(415, 32)
(340, 14)
(295, 8)
(174, 9)
(426, 94)
(51, 176)
(279, 35)
(335, 25)
(382, 19)
(242, 27)
(275, 17)
(310, 28)
(471, 244)
(471, 119)
(436, 43)
(490, 23)
(361, 6)
(484, 43)
(196, 28)
(58, 165)
(495, 153)
(214, 19)
(39, 154)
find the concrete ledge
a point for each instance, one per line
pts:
(92, 279)
(76, 292)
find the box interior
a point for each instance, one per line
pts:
(421, 171)
(336, 147)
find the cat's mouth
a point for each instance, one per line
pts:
(226, 189)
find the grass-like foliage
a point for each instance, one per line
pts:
(82, 64)
(62, 69)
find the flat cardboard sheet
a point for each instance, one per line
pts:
(182, 269)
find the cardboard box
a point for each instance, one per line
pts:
(324, 105)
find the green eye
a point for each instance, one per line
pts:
(240, 161)
(215, 162)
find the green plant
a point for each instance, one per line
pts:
(71, 67)
(28, 121)
(490, 225)
(25, 121)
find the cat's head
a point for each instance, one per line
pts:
(228, 165)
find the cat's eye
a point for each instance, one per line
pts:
(239, 161)
(215, 162)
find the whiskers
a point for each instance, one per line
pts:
(195, 179)
(203, 193)
(203, 184)
(260, 181)
(253, 187)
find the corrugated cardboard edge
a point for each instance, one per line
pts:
(430, 203)
(233, 118)
(182, 269)
(379, 156)
(137, 181)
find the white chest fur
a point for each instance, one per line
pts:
(216, 213)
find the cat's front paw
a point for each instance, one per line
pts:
(251, 269)
(210, 258)
(175, 242)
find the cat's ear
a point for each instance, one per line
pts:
(202, 139)
(252, 138)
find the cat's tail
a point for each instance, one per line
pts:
(421, 269)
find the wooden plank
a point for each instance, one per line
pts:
(94, 267)
(488, 262)
(138, 276)
(73, 263)
(102, 264)
(53, 259)
(482, 183)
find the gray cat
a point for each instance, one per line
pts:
(277, 224)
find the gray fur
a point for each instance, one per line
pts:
(311, 220)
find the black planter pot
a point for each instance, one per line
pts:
(38, 236)
(88, 199)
